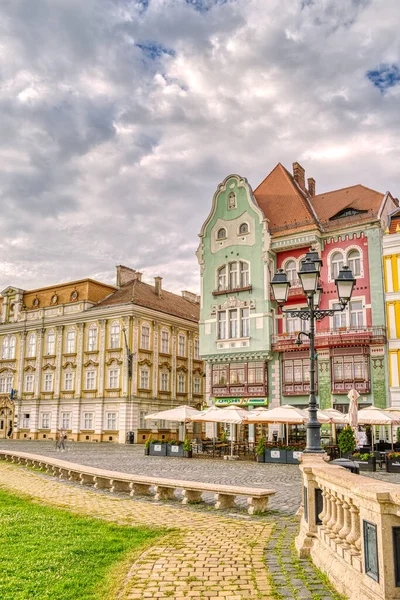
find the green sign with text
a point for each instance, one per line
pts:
(241, 401)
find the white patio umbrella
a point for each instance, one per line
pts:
(233, 415)
(336, 417)
(353, 412)
(372, 415)
(181, 414)
(286, 414)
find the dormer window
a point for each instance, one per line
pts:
(221, 233)
(243, 229)
(231, 201)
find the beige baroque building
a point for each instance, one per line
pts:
(96, 359)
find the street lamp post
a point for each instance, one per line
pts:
(309, 278)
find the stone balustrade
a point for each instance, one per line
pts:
(350, 526)
(156, 488)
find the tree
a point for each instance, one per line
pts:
(347, 442)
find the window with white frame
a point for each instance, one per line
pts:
(92, 338)
(145, 378)
(143, 424)
(354, 262)
(6, 382)
(45, 420)
(165, 341)
(113, 378)
(8, 347)
(111, 421)
(233, 323)
(48, 382)
(221, 325)
(356, 313)
(295, 324)
(196, 349)
(71, 341)
(196, 385)
(26, 421)
(66, 420)
(181, 345)
(244, 322)
(90, 379)
(339, 318)
(145, 337)
(221, 233)
(291, 271)
(115, 334)
(234, 275)
(68, 381)
(29, 379)
(51, 343)
(181, 383)
(31, 345)
(221, 279)
(87, 420)
(164, 381)
(336, 264)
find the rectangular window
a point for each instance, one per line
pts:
(115, 336)
(111, 421)
(296, 371)
(220, 374)
(295, 324)
(51, 343)
(143, 424)
(90, 380)
(145, 338)
(164, 382)
(356, 314)
(92, 339)
(222, 278)
(233, 329)
(255, 372)
(144, 379)
(244, 274)
(45, 420)
(181, 345)
(31, 345)
(88, 420)
(233, 276)
(29, 383)
(245, 322)
(339, 319)
(113, 378)
(26, 421)
(165, 342)
(70, 342)
(48, 382)
(181, 384)
(236, 375)
(196, 349)
(197, 385)
(222, 325)
(351, 369)
(68, 381)
(66, 420)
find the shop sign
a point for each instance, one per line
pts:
(241, 401)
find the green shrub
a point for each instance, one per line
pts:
(187, 446)
(347, 442)
(260, 448)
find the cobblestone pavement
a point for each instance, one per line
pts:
(285, 479)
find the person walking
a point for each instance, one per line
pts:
(62, 440)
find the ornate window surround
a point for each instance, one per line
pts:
(345, 252)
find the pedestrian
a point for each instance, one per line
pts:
(62, 440)
(58, 440)
(9, 433)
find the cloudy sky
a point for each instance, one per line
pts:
(120, 117)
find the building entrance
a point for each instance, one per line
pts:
(6, 418)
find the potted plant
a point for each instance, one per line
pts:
(260, 449)
(187, 449)
(393, 462)
(365, 461)
(147, 446)
(175, 448)
(294, 454)
(275, 454)
(347, 442)
(224, 436)
(158, 448)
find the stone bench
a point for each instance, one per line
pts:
(140, 485)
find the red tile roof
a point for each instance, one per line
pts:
(142, 294)
(282, 202)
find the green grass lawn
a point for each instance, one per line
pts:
(51, 554)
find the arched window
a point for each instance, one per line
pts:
(145, 337)
(92, 338)
(71, 341)
(11, 346)
(336, 264)
(31, 349)
(243, 228)
(8, 347)
(5, 347)
(234, 275)
(115, 332)
(354, 262)
(51, 343)
(291, 270)
(222, 278)
(221, 233)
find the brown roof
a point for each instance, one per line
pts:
(394, 222)
(357, 197)
(282, 202)
(143, 294)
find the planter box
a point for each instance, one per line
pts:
(275, 456)
(188, 453)
(158, 449)
(293, 456)
(366, 465)
(175, 450)
(393, 465)
(260, 457)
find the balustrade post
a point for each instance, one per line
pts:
(332, 521)
(345, 530)
(322, 515)
(354, 537)
(339, 518)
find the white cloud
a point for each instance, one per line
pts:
(118, 121)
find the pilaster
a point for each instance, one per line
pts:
(156, 328)
(102, 357)
(39, 356)
(173, 373)
(20, 376)
(57, 383)
(190, 367)
(79, 361)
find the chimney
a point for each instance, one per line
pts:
(157, 285)
(191, 297)
(127, 275)
(311, 186)
(299, 175)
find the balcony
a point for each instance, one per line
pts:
(239, 390)
(360, 336)
(297, 388)
(343, 387)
